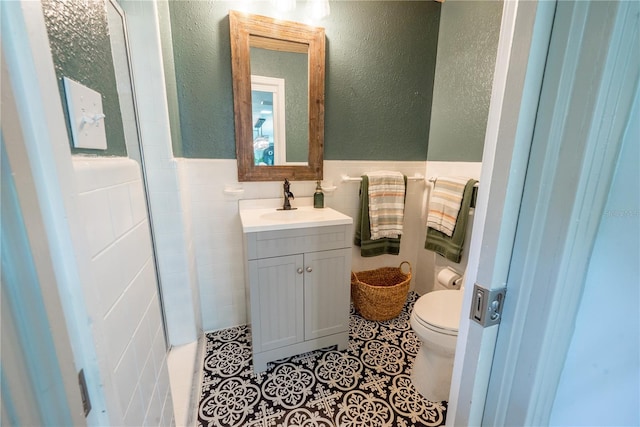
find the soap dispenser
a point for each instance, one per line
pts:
(318, 197)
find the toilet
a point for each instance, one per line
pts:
(435, 319)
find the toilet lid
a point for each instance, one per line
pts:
(440, 309)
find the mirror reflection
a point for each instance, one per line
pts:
(264, 129)
(279, 88)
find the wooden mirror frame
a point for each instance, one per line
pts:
(246, 28)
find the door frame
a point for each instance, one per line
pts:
(578, 132)
(587, 96)
(37, 359)
(520, 60)
(44, 147)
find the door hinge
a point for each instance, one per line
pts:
(486, 305)
(84, 393)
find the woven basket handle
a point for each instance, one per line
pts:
(409, 264)
(355, 275)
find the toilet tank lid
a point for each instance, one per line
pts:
(440, 308)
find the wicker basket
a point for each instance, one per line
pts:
(380, 294)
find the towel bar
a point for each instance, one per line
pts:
(417, 177)
(347, 178)
(433, 180)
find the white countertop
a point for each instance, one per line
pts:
(263, 215)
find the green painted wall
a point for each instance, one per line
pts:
(81, 49)
(202, 60)
(380, 65)
(467, 46)
(380, 70)
(164, 19)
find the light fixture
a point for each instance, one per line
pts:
(285, 5)
(320, 8)
(259, 123)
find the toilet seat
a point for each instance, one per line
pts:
(435, 329)
(439, 311)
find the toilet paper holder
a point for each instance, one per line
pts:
(449, 277)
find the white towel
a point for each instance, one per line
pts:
(386, 204)
(444, 204)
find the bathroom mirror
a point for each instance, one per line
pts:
(259, 48)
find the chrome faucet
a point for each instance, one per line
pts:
(287, 195)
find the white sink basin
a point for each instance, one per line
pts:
(301, 214)
(263, 215)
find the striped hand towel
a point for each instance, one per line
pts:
(444, 203)
(386, 204)
(451, 247)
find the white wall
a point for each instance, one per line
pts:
(218, 234)
(123, 301)
(600, 382)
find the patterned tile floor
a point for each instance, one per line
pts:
(365, 386)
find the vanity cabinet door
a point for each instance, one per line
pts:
(277, 301)
(326, 292)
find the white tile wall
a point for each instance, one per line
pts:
(218, 235)
(126, 319)
(191, 263)
(217, 242)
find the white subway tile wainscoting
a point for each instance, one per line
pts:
(217, 233)
(123, 297)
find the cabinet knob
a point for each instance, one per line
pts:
(309, 269)
(300, 270)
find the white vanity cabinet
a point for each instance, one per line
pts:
(298, 289)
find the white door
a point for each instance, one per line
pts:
(549, 157)
(31, 123)
(39, 382)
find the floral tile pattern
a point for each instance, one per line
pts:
(367, 385)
